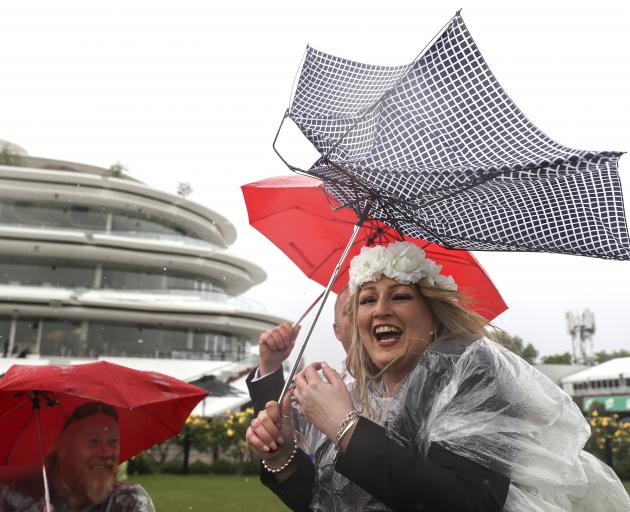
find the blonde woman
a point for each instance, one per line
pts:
(440, 418)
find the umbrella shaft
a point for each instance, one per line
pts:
(41, 452)
(333, 278)
(46, 489)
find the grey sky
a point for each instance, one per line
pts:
(194, 91)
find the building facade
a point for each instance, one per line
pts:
(96, 265)
(607, 384)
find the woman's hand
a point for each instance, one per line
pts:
(275, 345)
(325, 402)
(270, 435)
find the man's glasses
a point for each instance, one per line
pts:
(90, 409)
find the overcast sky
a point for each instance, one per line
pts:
(194, 91)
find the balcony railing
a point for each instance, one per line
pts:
(172, 295)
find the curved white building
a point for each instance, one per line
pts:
(94, 265)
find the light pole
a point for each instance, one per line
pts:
(581, 327)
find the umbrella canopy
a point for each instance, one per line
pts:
(151, 406)
(438, 150)
(295, 214)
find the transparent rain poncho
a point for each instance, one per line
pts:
(482, 402)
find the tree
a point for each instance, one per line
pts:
(9, 157)
(530, 354)
(565, 358)
(603, 356)
(219, 439)
(235, 427)
(515, 344)
(610, 437)
(195, 434)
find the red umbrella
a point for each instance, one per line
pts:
(297, 215)
(151, 406)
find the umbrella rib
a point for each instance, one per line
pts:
(332, 253)
(293, 208)
(13, 409)
(369, 108)
(159, 420)
(19, 436)
(301, 254)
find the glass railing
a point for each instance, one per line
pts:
(163, 237)
(187, 296)
(182, 239)
(207, 296)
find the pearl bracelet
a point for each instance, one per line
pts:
(284, 466)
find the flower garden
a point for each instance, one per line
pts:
(209, 465)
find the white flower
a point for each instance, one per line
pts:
(431, 271)
(402, 261)
(367, 266)
(406, 262)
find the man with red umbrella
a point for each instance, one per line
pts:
(82, 470)
(74, 424)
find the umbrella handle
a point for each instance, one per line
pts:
(333, 278)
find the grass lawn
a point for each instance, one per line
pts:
(216, 493)
(202, 493)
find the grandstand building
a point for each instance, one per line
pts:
(95, 265)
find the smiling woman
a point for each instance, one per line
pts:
(439, 418)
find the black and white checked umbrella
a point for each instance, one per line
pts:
(438, 150)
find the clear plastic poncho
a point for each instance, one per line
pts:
(482, 402)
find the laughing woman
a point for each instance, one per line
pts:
(440, 417)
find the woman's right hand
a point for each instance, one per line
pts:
(275, 345)
(271, 434)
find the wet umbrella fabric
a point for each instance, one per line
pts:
(438, 150)
(151, 407)
(295, 214)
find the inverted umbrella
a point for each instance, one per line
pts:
(438, 150)
(151, 406)
(295, 213)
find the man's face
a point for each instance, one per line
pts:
(342, 327)
(88, 453)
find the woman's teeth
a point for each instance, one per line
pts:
(383, 332)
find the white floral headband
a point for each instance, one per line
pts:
(402, 261)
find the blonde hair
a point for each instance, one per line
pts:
(446, 306)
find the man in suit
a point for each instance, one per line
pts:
(265, 382)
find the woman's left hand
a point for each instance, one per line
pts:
(325, 402)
